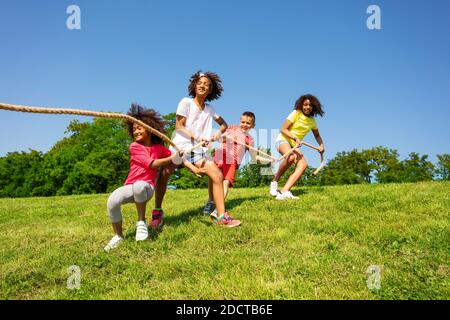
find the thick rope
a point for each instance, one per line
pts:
(295, 149)
(272, 159)
(19, 108)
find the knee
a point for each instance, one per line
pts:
(112, 203)
(163, 175)
(214, 173)
(139, 187)
(141, 191)
(217, 176)
(291, 159)
(302, 163)
(113, 206)
(165, 172)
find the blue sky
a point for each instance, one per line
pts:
(386, 87)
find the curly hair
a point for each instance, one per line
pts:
(150, 117)
(216, 84)
(315, 103)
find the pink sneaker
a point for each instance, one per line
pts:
(227, 221)
(157, 219)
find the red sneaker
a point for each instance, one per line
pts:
(227, 221)
(157, 219)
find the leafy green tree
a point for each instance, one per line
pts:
(170, 120)
(19, 173)
(100, 172)
(384, 164)
(443, 166)
(94, 158)
(416, 168)
(184, 178)
(254, 174)
(347, 168)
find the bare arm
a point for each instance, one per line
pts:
(319, 140)
(165, 161)
(223, 127)
(180, 127)
(285, 130)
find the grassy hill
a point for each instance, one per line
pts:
(318, 247)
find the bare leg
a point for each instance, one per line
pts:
(226, 186)
(216, 177)
(161, 183)
(300, 167)
(117, 228)
(285, 164)
(141, 210)
(210, 190)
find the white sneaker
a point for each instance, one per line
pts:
(141, 231)
(286, 195)
(273, 188)
(113, 243)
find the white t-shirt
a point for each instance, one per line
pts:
(199, 122)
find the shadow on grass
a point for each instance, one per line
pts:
(186, 216)
(183, 217)
(230, 204)
(298, 191)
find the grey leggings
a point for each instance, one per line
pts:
(139, 192)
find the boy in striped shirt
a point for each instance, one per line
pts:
(228, 157)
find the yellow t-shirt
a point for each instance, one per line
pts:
(300, 127)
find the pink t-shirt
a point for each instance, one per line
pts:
(141, 157)
(231, 152)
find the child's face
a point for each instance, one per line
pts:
(140, 134)
(203, 87)
(246, 123)
(307, 107)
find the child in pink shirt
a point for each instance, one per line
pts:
(147, 154)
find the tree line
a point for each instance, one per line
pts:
(94, 158)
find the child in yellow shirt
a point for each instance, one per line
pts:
(297, 125)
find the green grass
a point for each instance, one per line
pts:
(318, 247)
